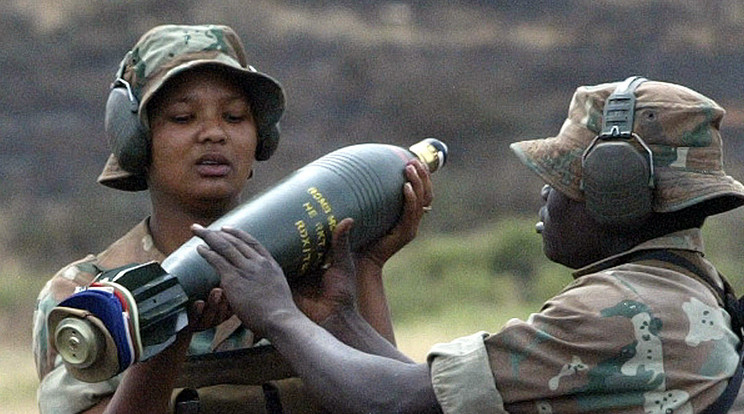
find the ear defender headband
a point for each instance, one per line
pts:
(130, 141)
(618, 176)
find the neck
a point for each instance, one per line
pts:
(612, 242)
(170, 222)
(598, 245)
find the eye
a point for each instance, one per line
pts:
(181, 118)
(234, 118)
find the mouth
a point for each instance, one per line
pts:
(540, 225)
(213, 165)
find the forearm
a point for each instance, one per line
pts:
(347, 379)
(372, 301)
(353, 330)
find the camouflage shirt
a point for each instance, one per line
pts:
(59, 392)
(638, 337)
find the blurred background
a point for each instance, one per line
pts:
(476, 74)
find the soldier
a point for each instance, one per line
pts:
(187, 117)
(647, 325)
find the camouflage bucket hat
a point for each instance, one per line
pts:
(167, 51)
(680, 126)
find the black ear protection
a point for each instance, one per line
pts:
(129, 140)
(127, 136)
(617, 178)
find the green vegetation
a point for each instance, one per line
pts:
(499, 265)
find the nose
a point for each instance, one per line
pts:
(545, 191)
(212, 130)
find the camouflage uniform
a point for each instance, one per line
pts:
(226, 372)
(630, 336)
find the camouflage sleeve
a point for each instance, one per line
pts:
(60, 392)
(461, 377)
(59, 287)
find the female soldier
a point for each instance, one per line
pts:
(201, 116)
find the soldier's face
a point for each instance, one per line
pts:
(570, 236)
(203, 139)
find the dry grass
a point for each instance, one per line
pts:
(17, 379)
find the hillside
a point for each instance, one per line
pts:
(476, 74)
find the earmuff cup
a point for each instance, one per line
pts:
(127, 137)
(268, 140)
(616, 184)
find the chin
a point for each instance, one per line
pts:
(218, 189)
(212, 208)
(564, 259)
(217, 198)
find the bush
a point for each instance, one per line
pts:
(499, 265)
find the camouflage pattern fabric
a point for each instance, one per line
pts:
(59, 392)
(642, 337)
(680, 126)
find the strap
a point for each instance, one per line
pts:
(677, 260)
(619, 111)
(188, 401)
(273, 403)
(247, 366)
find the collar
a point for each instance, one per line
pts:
(690, 239)
(136, 246)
